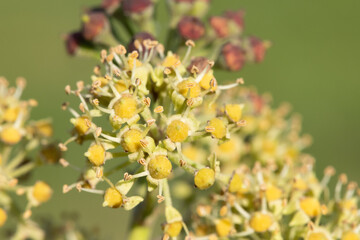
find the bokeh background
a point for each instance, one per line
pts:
(313, 64)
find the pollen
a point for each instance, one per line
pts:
(233, 111)
(189, 88)
(131, 140)
(350, 236)
(204, 178)
(261, 222)
(113, 198)
(10, 135)
(223, 227)
(310, 206)
(219, 128)
(96, 154)
(177, 131)
(3, 217)
(173, 229)
(11, 114)
(237, 185)
(126, 107)
(41, 192)
(273, 193)
(81, 125)
(159, 167)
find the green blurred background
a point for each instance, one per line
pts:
(313, 64)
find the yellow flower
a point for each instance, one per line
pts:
(81, 125)
(126, 107)
(177, 131)
(41, 191)
(96, 154)
(173, 229)
(261, 222)
(159, 167)
(311, 206)
(223, 227)
(233, 111)
(10, 135)
(112, 198)
(3, 217)
(218, 127)
(204, 178)
(131, 140)
(189, 88)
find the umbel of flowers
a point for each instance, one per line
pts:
(148, 99)
(219, 38)
(19, 139)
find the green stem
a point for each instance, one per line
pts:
(22, 170)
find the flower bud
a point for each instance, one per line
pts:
(220, 26)
(94, 23)
(191, 28)
(232, 57)
(237, 17)
(258, 48)
(173, 229)
(73, 42)
(110, 6)
(136, 6)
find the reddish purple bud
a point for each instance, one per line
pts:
(259, 49)
(234, 56)
(94, 23)
(141, 36)
(73, 41)
(191, 28)
(200, 62)
(111, 5)
(237, 17)
(136, 6)
(220, 26)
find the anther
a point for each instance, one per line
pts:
(159, 109)
(63, 162)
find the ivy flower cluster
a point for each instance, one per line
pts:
(288, 202)
(139, 110)
(20, 138)
(220, 38)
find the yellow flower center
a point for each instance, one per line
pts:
(205, 82)
(81, 126)
(204, 178)
(317, 236)
(44, 128)
(234, 112)
(41, 191)
(171, 60)
(120, 86)
(273, 193)
(173, 229)
(189, 88)
(219, 127)
(159, 167)
(3, 217)
(300, 184)
(113, 198)
(261, 222)
(177, 131)
(350, 236)
(223, 227)
(126, 107)
(10, 135)
(311, 206)
(228, 146)
(131, 140)
(237, 186)
(11, 114)
(96, 154)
